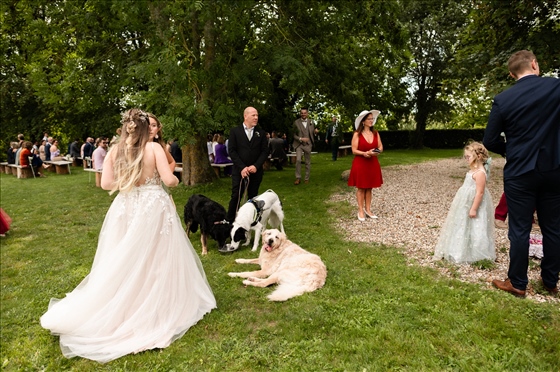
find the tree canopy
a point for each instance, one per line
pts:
(70, 67)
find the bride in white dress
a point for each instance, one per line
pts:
(147, 286)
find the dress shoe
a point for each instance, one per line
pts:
(370, 215)
(306, 181)
(361, 219)
(500, 224)
(552, 291)
(505, 285)
(297, 182)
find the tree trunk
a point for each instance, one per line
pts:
(196, 166)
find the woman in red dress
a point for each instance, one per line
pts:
(365, 173)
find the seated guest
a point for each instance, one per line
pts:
(98, 156)
(176, 151)
(221, 155)
(19, 147)
(42, 150)
(24, 158)
(55, 151)
(276, 149)
(75, 148)
(12, 150)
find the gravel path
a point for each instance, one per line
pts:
(412, 206)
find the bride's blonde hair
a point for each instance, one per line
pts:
(127, 166)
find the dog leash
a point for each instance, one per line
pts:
(245, 193)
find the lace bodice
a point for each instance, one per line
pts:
(152, 181)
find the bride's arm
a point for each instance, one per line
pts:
(163, 167)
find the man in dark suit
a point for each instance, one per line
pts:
(248, 150)
(277, 153)
(529, 115)
(335, 137)
(303, 143)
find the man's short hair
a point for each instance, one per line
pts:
(520, 62)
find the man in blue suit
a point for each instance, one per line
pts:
(529, 115)
(248, 150)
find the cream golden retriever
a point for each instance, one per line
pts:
(294, 269)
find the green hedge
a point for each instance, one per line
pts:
(433, 138)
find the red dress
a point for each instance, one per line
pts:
(365, 172)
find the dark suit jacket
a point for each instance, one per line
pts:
(339, 134)
(529, 115)
(276, 146)
(244, 153)
(88, 150)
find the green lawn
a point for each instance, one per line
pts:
(375, 312)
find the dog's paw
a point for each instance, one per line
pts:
(233, 275)
(239, 260)
(247, 282)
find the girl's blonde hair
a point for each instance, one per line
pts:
(127, 167)
(479, 150)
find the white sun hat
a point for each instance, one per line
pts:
(364, 113)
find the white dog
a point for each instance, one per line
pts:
(294, 269)
(254, 215)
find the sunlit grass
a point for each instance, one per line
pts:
(376, 312)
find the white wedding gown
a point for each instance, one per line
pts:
(146, 287)
(463, 239)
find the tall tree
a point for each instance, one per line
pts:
(434, 29)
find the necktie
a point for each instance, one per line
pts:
(249, 133)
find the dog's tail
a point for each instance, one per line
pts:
(285, 292)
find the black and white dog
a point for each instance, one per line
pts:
(254, 215)
(210, 216)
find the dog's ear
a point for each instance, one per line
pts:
(282, 236)
(260, 204)
(240, 235)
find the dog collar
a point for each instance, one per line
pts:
(222, 222)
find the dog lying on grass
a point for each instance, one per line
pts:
(210, 216)
(294, 269)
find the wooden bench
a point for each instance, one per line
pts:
(4, 168)
(21, 171)
(61, 166)
(343, 150)
(179, 170)
(97, 175)
(218, 167)
(292, 156)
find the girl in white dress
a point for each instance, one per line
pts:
(468, 232)
(147, 286)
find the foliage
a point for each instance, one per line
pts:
(376, 311)
(434, 28)
(497, 29)
(70, 67)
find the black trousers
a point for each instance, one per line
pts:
(540, 190)
(251, 184)
(334, 147)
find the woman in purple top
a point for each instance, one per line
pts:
(221, 155)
